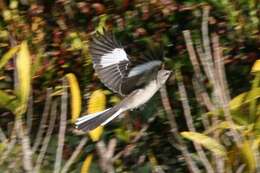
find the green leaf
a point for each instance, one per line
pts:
(7, 56)
(23, 65)
(8, 101)
(244, 98)
(102, 23)
(122, 134)
(206, 142)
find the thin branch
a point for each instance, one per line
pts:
(199, 99)
(198, 73)
(209, 67)
(203, 59)
(29, 114)
(174, 129)
(44, 119)
(10, 147)
(106, 155)
(111, 148)
(192, 54)
(74, 155)
(2, 135)
(222, 84)
(25, 141)
(62, 130)
(206, 40)
(257, 158)
(220, 66)
(47, 137)
(241, 168)
(129, 148)
(188, 118)
(206, 56)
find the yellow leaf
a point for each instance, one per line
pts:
(8, 56)
(23, 65)
(75, 96)
(86, 164)
(256, 67)
(96, 133)
(223, 126)
(245, 97)
(206, 142)
(97, 103)
(256, 143)
(248, 156)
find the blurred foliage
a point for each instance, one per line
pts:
(244, 109)
(56, 33)
(242, 16)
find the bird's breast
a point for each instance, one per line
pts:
(143, 95)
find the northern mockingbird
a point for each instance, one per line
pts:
(137, 83)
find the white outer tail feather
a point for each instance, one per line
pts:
(112, 117)
(88, 117)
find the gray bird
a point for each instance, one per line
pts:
(136, 83)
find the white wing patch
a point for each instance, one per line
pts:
(114, 57)
(143, 67)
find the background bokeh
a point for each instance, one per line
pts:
(47, 81)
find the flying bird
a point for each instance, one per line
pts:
(137, 83)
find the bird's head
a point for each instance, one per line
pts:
(162, 76)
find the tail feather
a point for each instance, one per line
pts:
(92, 121)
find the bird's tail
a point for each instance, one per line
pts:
(91, 121)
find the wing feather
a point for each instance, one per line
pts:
(113, 67)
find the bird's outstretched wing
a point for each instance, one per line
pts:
(114, 68)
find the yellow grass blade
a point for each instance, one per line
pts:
(206, 142)
(86, 164)
(23, 65)
(5, 58)
(75, 96)
(256, 67)
(244, 98)
(97, 103)
(248, 155)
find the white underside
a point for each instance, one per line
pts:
(143, 95)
